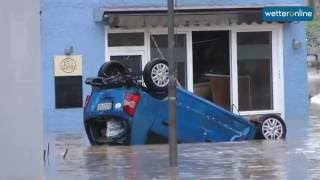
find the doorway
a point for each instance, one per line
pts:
(211, 66)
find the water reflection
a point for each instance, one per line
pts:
(290, 159)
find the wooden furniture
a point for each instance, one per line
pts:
(220, 91)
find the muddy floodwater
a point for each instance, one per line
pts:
(297, 157)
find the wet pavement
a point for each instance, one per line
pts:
(293, 158)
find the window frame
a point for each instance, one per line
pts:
(277, 70)
(277, 57)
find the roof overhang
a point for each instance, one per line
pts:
(156, 16)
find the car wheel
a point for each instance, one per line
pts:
(156, 75)
(271, 127)
(112, 68)
(89, 134)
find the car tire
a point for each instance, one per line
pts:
(156, 75)
(112, 68)
(271, 127)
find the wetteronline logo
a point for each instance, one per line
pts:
(287, 13)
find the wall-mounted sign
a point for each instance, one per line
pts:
(68, 65)
(287, 13)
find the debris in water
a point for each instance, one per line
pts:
(65, 154)
(48, 150)
(44, 155)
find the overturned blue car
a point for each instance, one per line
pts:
(123, 110)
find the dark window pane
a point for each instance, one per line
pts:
(125, 39)
(159, 49)
(255, 71)
(133, 62)
(68, 90)
(254, 38)
(211, 66)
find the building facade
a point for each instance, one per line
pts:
(224, 52)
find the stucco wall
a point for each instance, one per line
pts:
(295, 78)
(70, 23)
(62, 24)
(20, 77)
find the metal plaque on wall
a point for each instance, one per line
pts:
(68, 65)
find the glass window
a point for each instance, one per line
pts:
(68, 91)
(125, 39)
(159, 49)
(211, 66)
(255, 70)
(133, 62)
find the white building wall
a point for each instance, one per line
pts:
(20, 90)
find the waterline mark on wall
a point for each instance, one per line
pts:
(287, 13)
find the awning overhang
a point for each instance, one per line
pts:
(142, 17)
(134, 17)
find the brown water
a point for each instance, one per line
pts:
(294, 158)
